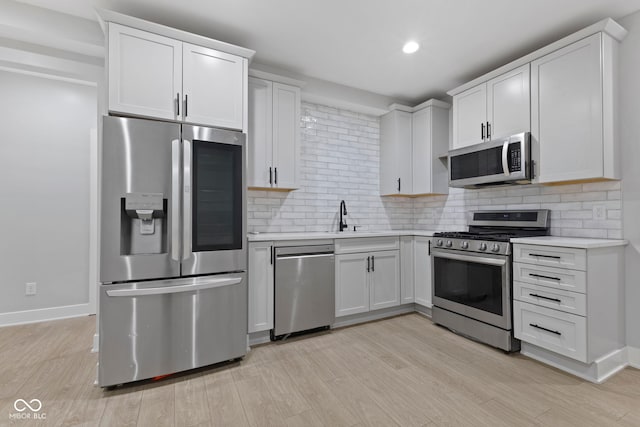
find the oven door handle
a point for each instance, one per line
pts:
(469, 258)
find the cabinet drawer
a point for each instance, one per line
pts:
(557, 278)
(562, 333)
(551, 256)
(367, 244)
(570, 302)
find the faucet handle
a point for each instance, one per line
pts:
(355, 227)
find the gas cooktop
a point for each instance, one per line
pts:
(488, 229)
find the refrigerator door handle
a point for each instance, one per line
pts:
(186, 200)
(175, 200)
(209, 284)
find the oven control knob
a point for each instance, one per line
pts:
(483, 246)
(495, 247)
(439, 242)
(465, 245)
(449, 243)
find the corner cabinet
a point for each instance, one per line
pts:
(150, 75)
(367, 274)
(273, 135)
(573, 104)
(495, 109)
(412, 140)
(260, 289)
(415, 255)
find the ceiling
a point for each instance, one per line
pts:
(358, 43)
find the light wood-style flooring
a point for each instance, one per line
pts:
(402, 371)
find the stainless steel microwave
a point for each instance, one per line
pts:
(498, 162)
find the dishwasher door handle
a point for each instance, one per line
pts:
(290, 256)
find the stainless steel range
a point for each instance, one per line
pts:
(472, 286)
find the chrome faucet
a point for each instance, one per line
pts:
(343, 212)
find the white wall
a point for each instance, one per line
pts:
(44, 191)
(630, 136)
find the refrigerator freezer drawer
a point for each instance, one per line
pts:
(148, 329)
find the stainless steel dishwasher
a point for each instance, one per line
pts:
(304, 289)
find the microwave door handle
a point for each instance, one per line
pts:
(505, 160)
(175, 200)
(186, 200)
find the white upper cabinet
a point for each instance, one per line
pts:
(573, 101)
(412, 140)
(495, 109)
(395, 153)
(430, 142)
(274, 135)
(156, 76)
(213, 85)
(470, 116)
(145, 73)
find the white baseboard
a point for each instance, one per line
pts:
(256, 338)
(373, 315)
(96, 343)
(44, 314)
(596, 372)
(634, 357)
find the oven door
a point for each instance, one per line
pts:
(475, 286)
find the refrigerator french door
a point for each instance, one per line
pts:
(173, 253)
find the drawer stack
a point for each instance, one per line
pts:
(568, 300)
(550, 298)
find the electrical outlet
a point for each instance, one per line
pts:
(30, 288)
(599, 212)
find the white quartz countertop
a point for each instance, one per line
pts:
(319, 235)
(569, 242)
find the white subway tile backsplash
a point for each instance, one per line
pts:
(340, 157)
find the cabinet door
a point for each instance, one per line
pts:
(469, 114)
(509, 103)
(567, 122)
(395, 153)
(384, 288)
(352, 284)
(260, 286)
(422, 270)
(259, 133)
(145, 73)
(422, 153)
(286, 135)
(213, 87)
(406, 271)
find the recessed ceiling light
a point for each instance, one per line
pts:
(410, 47)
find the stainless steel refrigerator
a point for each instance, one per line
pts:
(173, 292)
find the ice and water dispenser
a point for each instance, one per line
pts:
(143, 224)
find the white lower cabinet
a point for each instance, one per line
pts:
(415, 256)
(569, 300)
(407, 279)
(367, 281)
(261, 290)
(422, 270)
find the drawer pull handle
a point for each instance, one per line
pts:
(546, 256)
(544, 329)
(541, 276)
(547, 298)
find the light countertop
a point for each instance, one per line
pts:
(570, 242)
(319, 235)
